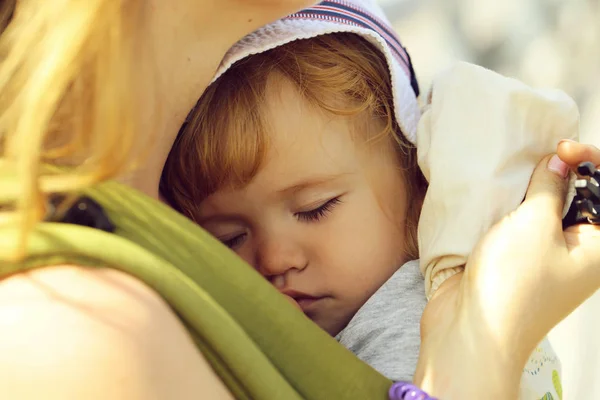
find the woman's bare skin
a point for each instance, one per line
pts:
(70, 332)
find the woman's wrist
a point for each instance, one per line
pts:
(468, 382)
(468, 364)
(460, 357)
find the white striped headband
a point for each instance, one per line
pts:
(362, 17)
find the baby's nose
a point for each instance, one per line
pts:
(278, 256)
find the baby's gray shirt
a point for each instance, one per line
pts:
(384, 332)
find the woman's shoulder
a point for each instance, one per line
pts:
(74, 332)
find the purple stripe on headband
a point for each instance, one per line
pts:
(345, 13)
(333, 15)
(385, 31)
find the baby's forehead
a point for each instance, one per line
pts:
(303, 142)
(290, 119)
(302, 135)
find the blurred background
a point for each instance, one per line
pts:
(544, 43)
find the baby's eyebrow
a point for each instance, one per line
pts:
(310, 183)
(219, 218)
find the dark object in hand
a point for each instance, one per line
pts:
(586, 204)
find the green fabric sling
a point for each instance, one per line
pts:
(258, 343)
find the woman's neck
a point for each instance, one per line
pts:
(186, 41)
(180, 59)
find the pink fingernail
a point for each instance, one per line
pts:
(557, 166)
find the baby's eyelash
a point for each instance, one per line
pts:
(318, 213)
(233, 242)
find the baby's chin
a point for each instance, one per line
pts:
(332, 325)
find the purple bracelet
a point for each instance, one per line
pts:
(407, 391)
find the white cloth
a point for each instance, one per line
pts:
(478, 141)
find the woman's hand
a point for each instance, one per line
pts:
(522, 279)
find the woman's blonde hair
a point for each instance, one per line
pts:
(224, 141)
(66, 100)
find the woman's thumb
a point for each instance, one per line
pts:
(548, 185)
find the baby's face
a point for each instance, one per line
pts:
(323, 220)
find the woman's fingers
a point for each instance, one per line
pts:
(583, 240)
(574, 153)
(548, 187)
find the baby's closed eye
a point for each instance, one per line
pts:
(316, 214)
(233, 241)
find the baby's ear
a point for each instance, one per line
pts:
(426, 101)
(430, 95)
(420, 193)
